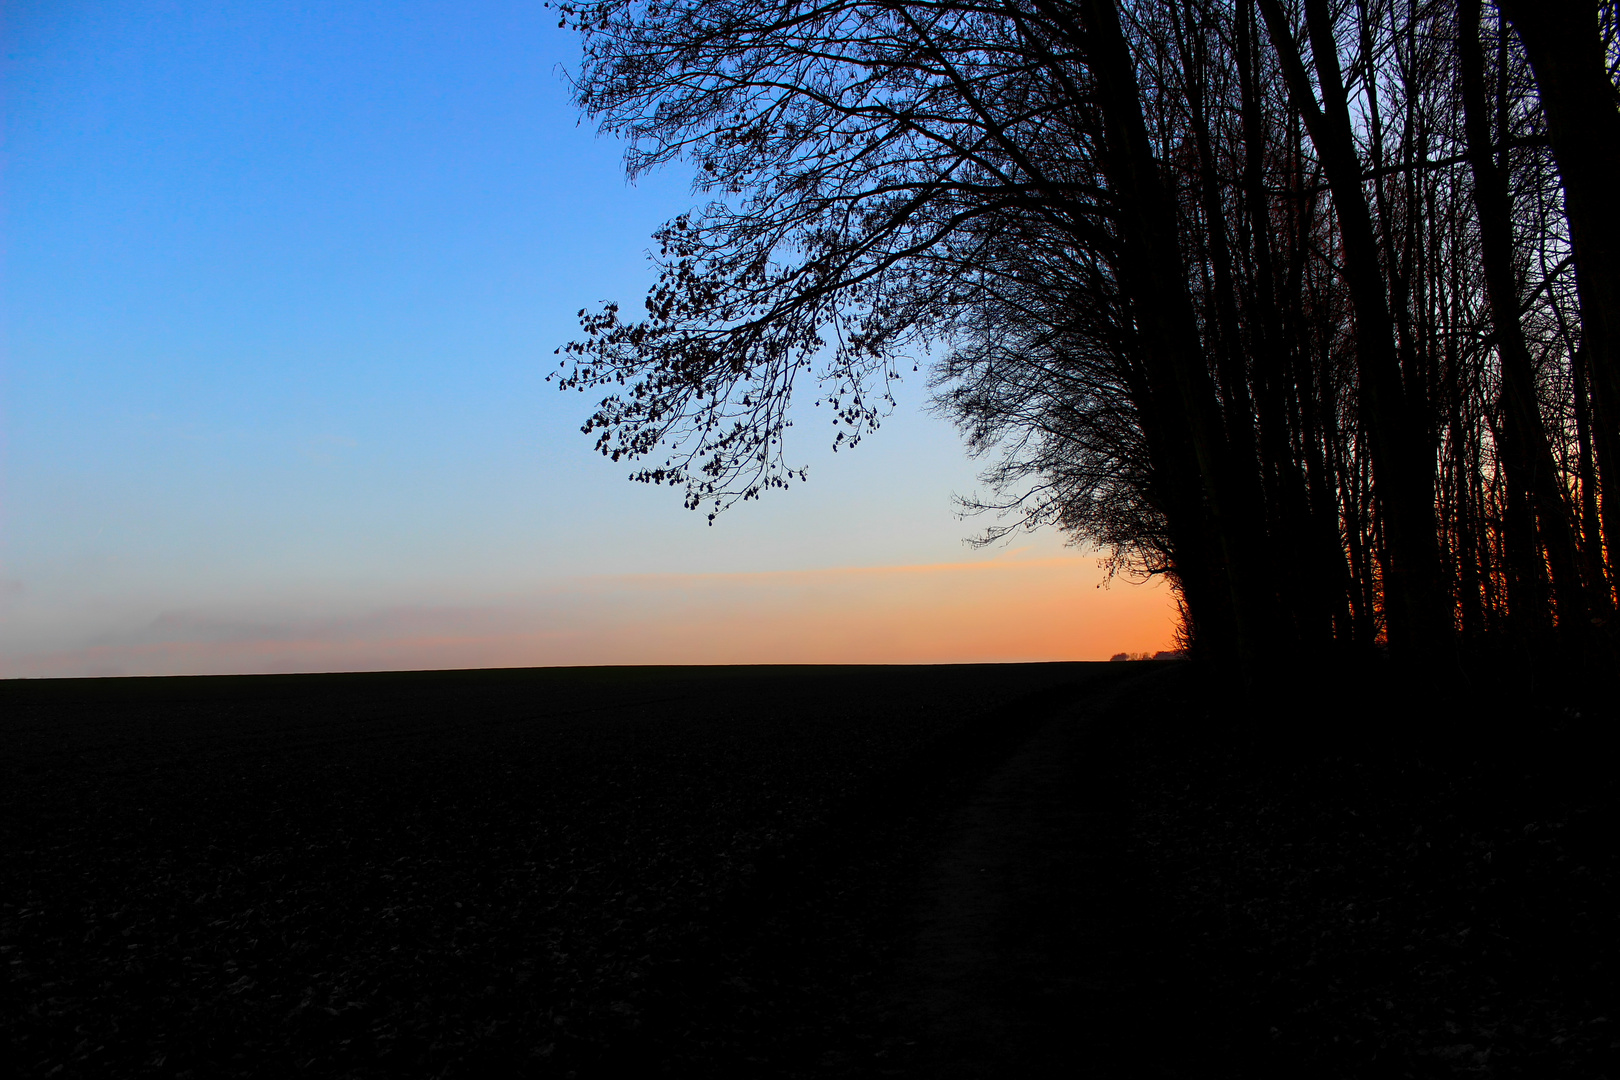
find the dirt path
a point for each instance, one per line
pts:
(1021, 962)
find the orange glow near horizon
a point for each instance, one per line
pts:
(1000, 610)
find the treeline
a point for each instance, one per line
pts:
(1312, 307)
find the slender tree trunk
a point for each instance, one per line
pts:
(1532, 475)
(1206, 484)
(1415, 619)
(1466, 511)
(1207, 612)
(1315, 581)
(1237, 407)
(1586, 469)
(1562, 40)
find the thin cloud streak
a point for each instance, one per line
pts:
(1006, 562)
(999, 610)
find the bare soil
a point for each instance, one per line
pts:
(944, 871)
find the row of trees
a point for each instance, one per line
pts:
(1312, 306)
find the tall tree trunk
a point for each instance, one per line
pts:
(1535, 497)
(1562, 40)
(1464, 511)
(1586, 469)
(1417, 622)
(1173, 353)
(1315, 584)
(1269, 482)
(1237, 407)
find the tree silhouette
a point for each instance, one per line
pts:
(1305, 305)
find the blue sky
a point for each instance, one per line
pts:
(281, 283)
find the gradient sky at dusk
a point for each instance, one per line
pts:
(281, 284)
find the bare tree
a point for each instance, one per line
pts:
(1316, 338)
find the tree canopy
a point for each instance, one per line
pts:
(1308, 305)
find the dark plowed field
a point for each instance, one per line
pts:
(967, 871)
(439, 873)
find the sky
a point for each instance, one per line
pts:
(279, 287)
